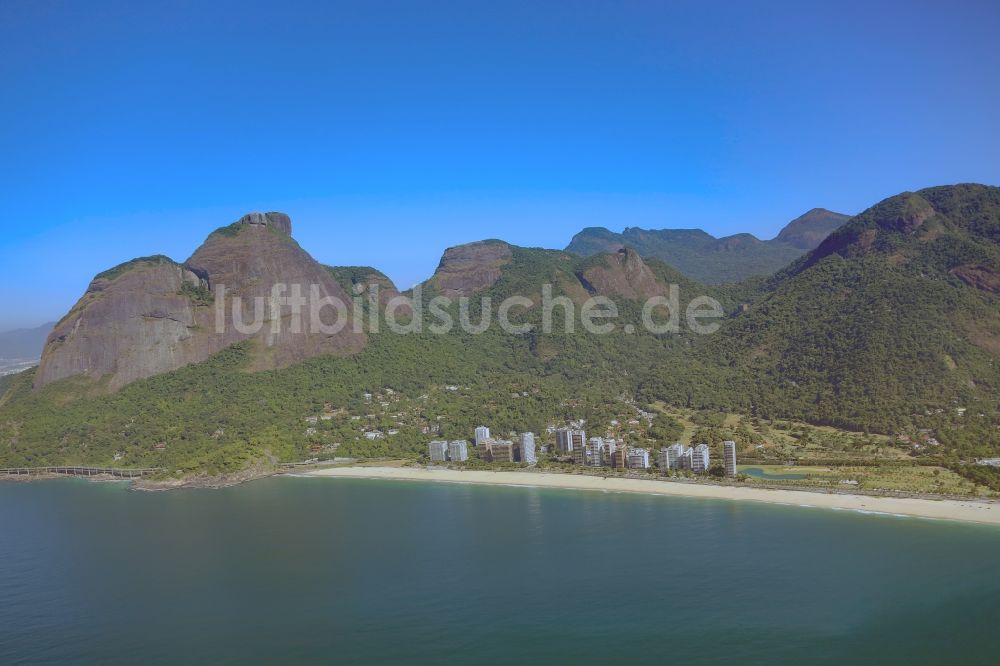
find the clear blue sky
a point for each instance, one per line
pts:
(390, 130)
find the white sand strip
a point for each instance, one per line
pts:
(969, 511)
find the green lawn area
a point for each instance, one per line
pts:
(906, 478)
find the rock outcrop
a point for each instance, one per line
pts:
(622, 274)
(980, 277)
(279, 221)
(467, 269)
(152, 315)
(133, 321)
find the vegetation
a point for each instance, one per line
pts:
(112, 273)
(983, 475)
(5, 383)
(199, 294)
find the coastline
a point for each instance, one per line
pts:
(973, 511)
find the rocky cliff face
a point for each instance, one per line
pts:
(153, 315)
(467, 269)
(132, 322)
(500, 270)
(247, 265)
(622, 274)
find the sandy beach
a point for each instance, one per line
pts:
(967, 511)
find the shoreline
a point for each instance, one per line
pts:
(972, 511)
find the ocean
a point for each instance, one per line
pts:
(318, 570)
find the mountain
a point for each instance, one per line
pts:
(712, 260)
(153, 315)
(894, 316)
(466, 269)
(499, 270)
(24, 343)
(807, 231)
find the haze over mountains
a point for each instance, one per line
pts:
(24, 343)
(893, 319)
(21, 348)
(712, 260)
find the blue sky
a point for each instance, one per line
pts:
(391, 130)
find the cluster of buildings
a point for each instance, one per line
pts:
(490, 449)
(679, 457)
(442, 450)
(592, 452)
(600, 452)
(521, 449)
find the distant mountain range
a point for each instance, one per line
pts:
(712, 260)
(24, 343)
(21, 348)
(892, 322)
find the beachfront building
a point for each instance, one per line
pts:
(593, 454)
(528, 448)
(638, 459)
(729, 457)
(458, 451)
(699, 459)
(482, 435)
(564, 440)
(569, 440)
(500, 450)
(675, 456)
(438, 450)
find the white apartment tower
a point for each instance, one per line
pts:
(638, 459)
(482, 434)
(699, 459)
(568, 440)
(528, 448)
(729, 454)
(674, 456)
(438, 450)
(458, 451)
(593, 452)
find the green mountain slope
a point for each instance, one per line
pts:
(893, 319)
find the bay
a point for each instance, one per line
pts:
(312, 570)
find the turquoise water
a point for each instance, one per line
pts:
(305, 570)
(758, 473)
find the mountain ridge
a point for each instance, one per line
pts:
(708, 259)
